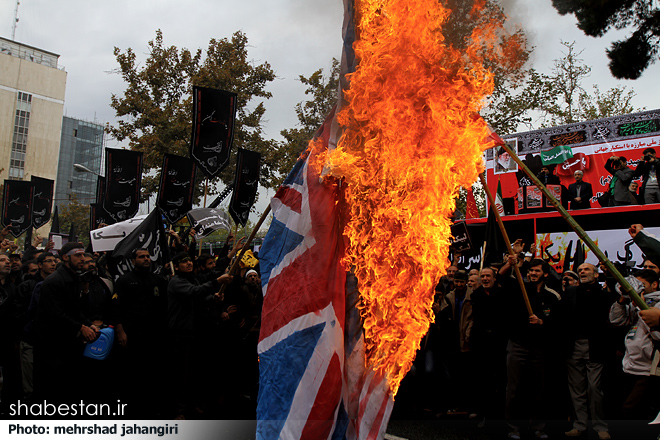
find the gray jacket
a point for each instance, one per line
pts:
(639, 339)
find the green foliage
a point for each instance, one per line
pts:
(628, 57)
(155, 111)
(78, 214)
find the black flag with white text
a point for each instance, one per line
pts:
(177, 183)
(248, 165)
(123, 177)
(149, 235)
(42, 200)
(17, 206)
(214, 113)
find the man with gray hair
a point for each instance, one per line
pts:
(580, 192)
(589, 342)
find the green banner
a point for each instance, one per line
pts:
(556, 155)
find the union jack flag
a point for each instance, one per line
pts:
(313, 382)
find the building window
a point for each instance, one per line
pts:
(19, 141)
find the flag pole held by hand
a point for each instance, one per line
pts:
(507, 242)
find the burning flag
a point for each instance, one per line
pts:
(410, 141)
(313, 382)
(334, 348)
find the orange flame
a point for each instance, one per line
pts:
(410, 141)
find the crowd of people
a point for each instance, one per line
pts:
(573, 347)
(577, 349)
(623, 186)
(184, 341)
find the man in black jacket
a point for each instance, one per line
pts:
(62, 330)
(186, 298)
(140, 300)
(530, 339)
(588, 342)
(580, 192)
(648, 169)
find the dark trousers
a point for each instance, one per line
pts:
(525, 387)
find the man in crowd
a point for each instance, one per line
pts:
(9, 336)
(547, 177)
(141, 302)
(568, 279)
(580, 192)
(488, 344)
(474, 281)
(186, 298)
(621, 177)
(530, 339)
(648, 170)
(642, 385)
(27, 313)
(62, 329)
(588, 343)
(457, 309)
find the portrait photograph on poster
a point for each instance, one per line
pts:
(503, 161)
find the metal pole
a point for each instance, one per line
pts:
(507, 242)
(579, 231)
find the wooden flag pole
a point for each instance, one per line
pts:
(579, 231)
(507, 242)
(237, 261)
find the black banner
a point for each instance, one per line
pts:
(123, 178)
(214, 114)
(461, 237)
(17, 206)
(206, 220)
(149, 235)
(177, 183)
(246, 183)
(42, 200)
(98, 214)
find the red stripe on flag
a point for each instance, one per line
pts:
(378, 421)
(321, 419)
(290, 197)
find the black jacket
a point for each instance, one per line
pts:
(586, 193)
(185, 297)
(59, 315)
(141, 302)
(584, 314)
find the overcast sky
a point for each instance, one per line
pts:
(295, 36)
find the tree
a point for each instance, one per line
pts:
(155, 111)
(517, 90)
(311, 113)
(75, 213)
(628, 57)
(574, 103)
(568, 73)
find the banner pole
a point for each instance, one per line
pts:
(235, 265)
(579, 231)
(507, 242)
(201, 239)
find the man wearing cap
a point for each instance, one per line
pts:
(62, 329)
(588, 343)
(186, 299)
(568, 279)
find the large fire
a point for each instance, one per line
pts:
(410, 141)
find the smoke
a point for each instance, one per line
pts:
(519, 16)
